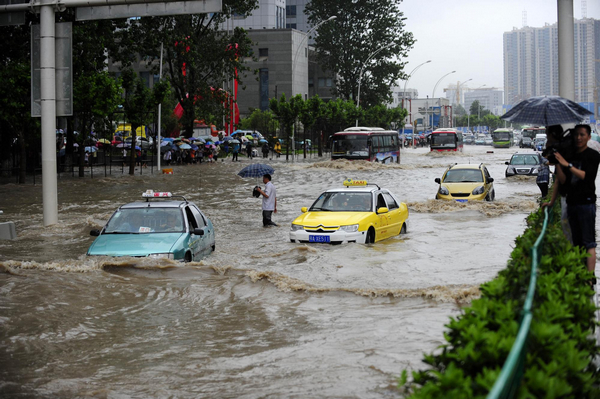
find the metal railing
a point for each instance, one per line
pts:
(509, 380)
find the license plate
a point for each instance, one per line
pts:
(318, 239)
(462, 200)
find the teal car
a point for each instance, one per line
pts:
(161, 227)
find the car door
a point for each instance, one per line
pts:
(383, 230)
(205, 239)
(488, 185)
(394, 214)
(194, 242)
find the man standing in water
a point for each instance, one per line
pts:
(269, 201)
(579, 175)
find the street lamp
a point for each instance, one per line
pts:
(314, 28)
(433, 96)
(302, 41)
(404, 95)
(373, 54)
(458, 92)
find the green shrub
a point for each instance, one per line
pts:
(560, 347)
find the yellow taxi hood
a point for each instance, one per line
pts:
(462, 187)
(330, 218)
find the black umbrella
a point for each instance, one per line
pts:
(546, 111)
(256, 170)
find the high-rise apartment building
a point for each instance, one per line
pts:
(531, 62)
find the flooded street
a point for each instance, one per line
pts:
(260, 317)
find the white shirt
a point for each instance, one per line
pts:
(268, 204)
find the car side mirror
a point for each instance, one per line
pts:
(95, 232)
(506, 163)
(491, 180)
(198, 232)
(304, 209)
(437, 180)
(382, 210)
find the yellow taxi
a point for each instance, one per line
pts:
(466, 182)
(360, 212)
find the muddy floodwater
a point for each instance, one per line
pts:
(260, 317)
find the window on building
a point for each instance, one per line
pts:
(263, 52)
(263, 75)
(146, 78)
(291, 26)
(290, 11)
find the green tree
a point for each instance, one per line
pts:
(198, 57)
(316, 107)
(263, 121)
(18, 130)
(475, 108)
(287, 112)
(98, 96)
(139, 102)
(346, 45)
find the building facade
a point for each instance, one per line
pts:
(531, 62)
(270, 14)
(490, 99)
(398, 95)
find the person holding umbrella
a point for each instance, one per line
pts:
(269, 200)
(578, 175)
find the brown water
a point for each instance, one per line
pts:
(261, 317)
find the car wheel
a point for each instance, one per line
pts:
(370, 236)
(213, 247)
(188, 257)
(292, 240)
(403, 228)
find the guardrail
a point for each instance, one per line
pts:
(509, 379)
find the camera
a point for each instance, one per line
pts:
(255, 192)
(561, 143)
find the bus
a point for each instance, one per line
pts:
(530, 132)
(446, 140)
(368, 143)
(503, 138)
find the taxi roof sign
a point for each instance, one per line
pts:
(355, 183)
(152, 194)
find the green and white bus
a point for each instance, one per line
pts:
(503, 138)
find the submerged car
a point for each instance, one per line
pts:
(523, 164)
(160, 227)
(526, 142)
(466, 182)
(359, 213)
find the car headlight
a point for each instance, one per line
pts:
(296, 227)
(169, 255)
(353, 228)
(479, 190)
(443, 190)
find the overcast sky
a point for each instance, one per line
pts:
(466, 36)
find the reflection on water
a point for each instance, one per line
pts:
(261, 316)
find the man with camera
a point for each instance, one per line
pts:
(269, 201)
(577, 177)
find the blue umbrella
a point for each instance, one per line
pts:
(185, 146)
(168, 139)
(262, 141)
(546, 111)
(227, 138)
(256, 170)
(194, 147)
(91, 149)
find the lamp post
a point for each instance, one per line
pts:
(433, 96)
(314, 28)
(458, 90)
(404, 96)
(479, 106)
(373, 54)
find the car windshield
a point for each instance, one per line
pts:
(343, 202)
(463, 176)
(524, 160)
(351, 145)
(145, 220)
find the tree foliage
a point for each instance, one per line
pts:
(198, 56)
(263, 121)
(345, 45)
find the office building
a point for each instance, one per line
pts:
(489, 98)
(531, 62)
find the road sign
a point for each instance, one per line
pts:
(149, 8)
(63, 70)
(12, 18)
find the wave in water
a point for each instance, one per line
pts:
(490, 209)
(453, 293)
(344, 164)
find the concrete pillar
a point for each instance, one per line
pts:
(48, 97)
(566, 49)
